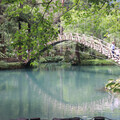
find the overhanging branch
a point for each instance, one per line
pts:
(46, 9)
(69, 9)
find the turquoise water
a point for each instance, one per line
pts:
(55, 91)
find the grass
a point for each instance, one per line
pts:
(11, 65)
(18, 65)
(97, 62)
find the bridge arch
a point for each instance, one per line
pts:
(89, 41)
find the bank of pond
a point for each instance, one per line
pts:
(18, 65)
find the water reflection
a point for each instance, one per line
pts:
(58, 92)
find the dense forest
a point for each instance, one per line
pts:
(26, 26)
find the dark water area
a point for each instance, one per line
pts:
(55, 91)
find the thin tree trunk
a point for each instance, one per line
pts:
(19, 49)
(2, 41)
(29, 31)
(77, 52)
(61, 30)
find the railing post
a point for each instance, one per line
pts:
(65, 36)
(59, 37)
(77, 37)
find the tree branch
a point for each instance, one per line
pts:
(69, 9)
(42, 3)
(46, 9)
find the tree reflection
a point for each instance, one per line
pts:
(57, 93)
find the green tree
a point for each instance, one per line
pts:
(100, 20)
(34, 28)
(35, 25)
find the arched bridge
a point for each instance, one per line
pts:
(89, 41)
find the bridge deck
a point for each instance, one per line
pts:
(92, 42)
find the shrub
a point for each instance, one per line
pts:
(113, 86)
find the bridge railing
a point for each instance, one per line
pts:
(90, 41)
(96, 44)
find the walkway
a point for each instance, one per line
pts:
(89, 41)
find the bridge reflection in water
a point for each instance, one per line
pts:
(57, 93)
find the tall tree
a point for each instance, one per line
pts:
(35, 28)
(35, 25)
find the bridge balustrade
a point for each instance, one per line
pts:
(90, 41)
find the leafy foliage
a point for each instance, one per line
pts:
(95, 18)
(30, 23)
(113, 86)
(33, 28)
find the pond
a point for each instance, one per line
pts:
(58, 91)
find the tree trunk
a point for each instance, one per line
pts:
(61, 30)
(3, 48)
(19, 49)
(29, 31)
(0, 8)
(2, 41)
(77, 52)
